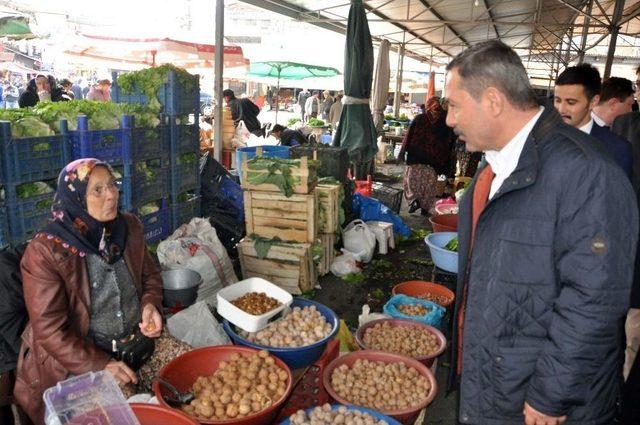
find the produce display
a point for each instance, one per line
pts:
(452, 245)
(323, 415)
(256, 303)
(149, 208)
(413, 309)
(379, 385)
(315, 122)
(410, 341)
(438, 299)
(278, 172)
(303, 326)
(242, 386)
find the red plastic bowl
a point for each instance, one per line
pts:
(425, 360)
(417, 288)
(406, 416)
(444, 223)
(151, 414)
(182, 372)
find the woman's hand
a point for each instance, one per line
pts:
(151, 325)
(122, 372)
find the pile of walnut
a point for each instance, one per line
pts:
(412, 341)
(380, 386)
(438, 299)
(299, 328)
(413, 309)
(256, 303)
(242, 386)
(323, 415)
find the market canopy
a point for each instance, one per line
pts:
(138, 53)
(14, 25)
(290, 70)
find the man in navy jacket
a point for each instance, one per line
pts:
(577, 92)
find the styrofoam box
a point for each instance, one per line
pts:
(242, 319)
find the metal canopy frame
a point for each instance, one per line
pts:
(548, 34)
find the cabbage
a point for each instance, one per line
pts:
(30, 127)
(149, 208)
(104, 120)
(29, 190)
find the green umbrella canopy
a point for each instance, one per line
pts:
(290, 70)
(356, 130)
(14, 26)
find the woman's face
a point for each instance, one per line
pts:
(102, 195)
(42, 83)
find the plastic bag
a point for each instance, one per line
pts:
(370, 209)
(345, 264)
(196, 246)
(197, 327)
(241, 135)
(367, 316)
(347, 341)
(432, 318)
(360, 240)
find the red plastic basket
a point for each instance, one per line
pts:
(308, 390)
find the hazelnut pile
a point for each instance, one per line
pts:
(299, 328)
(438, 299)
(410, 341)
(323, 415)
(256, 303)
(242, 386)
(379, 385)
(413, 309)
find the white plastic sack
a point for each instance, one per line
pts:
(359, 239)
(261, 141)
(367, 316)
(345, 264)
(196, 246)
(197, 327)
(241, 136)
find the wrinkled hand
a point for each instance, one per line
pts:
(533, 417)
(122, 372)
(151, 325)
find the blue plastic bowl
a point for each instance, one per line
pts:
(378, 416)
(442, 258)
(296, 357)
(267, 151)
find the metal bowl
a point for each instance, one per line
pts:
(180, 287)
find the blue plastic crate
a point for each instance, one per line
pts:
(137, 189)
(184, 176)
(183, 212)
(174, 98)
(157, 224)
(232, 192)
(33, 158)
(125, 145)
(28, 216)
(4, 226)
(184, 137)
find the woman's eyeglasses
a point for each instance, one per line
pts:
(100, 190)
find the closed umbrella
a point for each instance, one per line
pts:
(356, 130)
(431, 88)
(289, 71)
(381, 85)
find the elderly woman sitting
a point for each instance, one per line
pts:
(91, 289)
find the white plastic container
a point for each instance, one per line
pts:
(241, 318)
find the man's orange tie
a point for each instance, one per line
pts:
(480, 197)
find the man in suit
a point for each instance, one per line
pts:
(577, 92)
(616, 98)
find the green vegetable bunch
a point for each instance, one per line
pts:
(452, 245)
(292, 121)
(149, 80)
(315, 122)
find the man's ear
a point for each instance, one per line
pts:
(594, 101)
(494, 100)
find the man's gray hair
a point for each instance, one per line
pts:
(494, 64)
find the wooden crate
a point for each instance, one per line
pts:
(329, 199)
(270, 215)
(329, 253)
(305, 177)
(288, 265)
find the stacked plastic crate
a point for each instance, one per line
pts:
(179, 106)
(30, 167)
(138, 155)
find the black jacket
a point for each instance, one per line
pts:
(30, 96)
(13, 313)
(548, 284)
(247, 111)
(618, 148)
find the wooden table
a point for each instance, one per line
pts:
(390, 137)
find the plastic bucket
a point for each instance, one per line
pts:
(444, 223)
(442, 258)
(418, 288)
(267, 151)
(151, 414)
(378, 416)
(425, 360)
(295, 357)
(406, 416)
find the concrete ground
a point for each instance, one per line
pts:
(409, 261)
